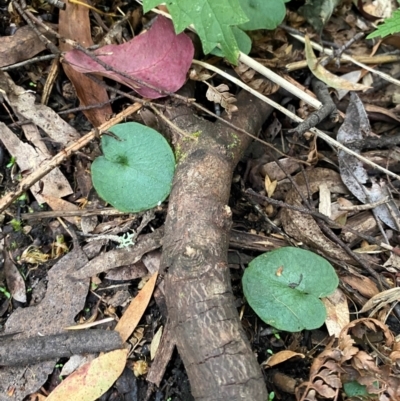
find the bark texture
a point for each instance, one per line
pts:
(209, 336)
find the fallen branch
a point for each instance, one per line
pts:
(27, 351)
(204, 320)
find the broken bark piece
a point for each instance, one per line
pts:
(28, 351)
(122, 256)
(365, 223)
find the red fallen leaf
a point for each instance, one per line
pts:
(158, 57)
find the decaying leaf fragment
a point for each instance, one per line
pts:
(347, 362)
(221, 95)
(256, 81)
(366, 189)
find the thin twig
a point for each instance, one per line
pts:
(72, 213)
(366, 206)
(30, 61)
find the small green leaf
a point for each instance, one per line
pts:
(262, 14)
(390, 25)
(136, 172)
(355, 389)
(284, 286)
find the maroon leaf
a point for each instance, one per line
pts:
(158, 57)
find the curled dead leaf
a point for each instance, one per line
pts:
(280, 357)
(324, 75)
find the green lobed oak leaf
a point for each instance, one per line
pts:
(390, 26)
(262, 14)
(136, 171)
(284, 286)
(213, 21)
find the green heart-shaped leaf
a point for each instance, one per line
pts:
(136, 171)
(284, 286)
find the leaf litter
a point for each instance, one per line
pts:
(364, 350)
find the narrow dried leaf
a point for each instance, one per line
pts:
(270, 186)
(280, 357)
(364, 285)
(155, 342)
(380, 300)
(61, 204)
(135, 310)
(91, 380)
(324, 200)
(74, 23)
(324, 75)
(15, 282)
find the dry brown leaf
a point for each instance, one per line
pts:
(382, 299)
(91, 380)
(275, 172)
(270, 186)
(324, 199)
(255, 80)
(365, 362)
(135, 310)
(280, 357)
(15, 282)
(323, 389)
(364, 285)
(74, 23)
(61, 204)
(221, 95)
(23, 45)
(330, 378)
(28, 158)
(346, 344)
